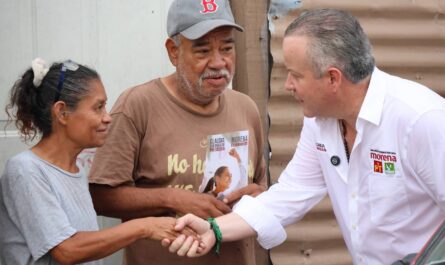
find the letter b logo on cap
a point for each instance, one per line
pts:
(209, 6)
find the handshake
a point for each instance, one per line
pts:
(195, 238)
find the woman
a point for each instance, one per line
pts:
(219, 183)
(46, 212)
(222, 179)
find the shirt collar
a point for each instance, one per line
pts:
(372, 106)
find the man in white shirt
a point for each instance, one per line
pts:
(374, 142)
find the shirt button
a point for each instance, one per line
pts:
(354, 227)
(360, 258)
(354, 195)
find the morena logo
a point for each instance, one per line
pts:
(383, 157)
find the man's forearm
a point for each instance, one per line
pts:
(130, 202)
(233, 227)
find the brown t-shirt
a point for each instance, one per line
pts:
(155, 141)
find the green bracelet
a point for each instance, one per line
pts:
(217, 232)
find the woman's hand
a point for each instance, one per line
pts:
(158, 228)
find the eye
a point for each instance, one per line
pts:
(227, 49)
(202, 51)
(100, 107)
(294, 75)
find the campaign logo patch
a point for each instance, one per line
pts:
(390, 168)
(383, 161)
(378, 167)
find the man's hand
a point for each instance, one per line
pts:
(188, 245)
(251, 189)
(158, 228)
(199, 204)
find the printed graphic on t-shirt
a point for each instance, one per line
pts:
(226, 163)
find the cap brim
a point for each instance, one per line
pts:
(200, 29)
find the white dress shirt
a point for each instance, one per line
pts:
(389, 198)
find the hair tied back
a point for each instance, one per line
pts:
(39, 69)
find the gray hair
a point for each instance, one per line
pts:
(336, 39)
(176, 39)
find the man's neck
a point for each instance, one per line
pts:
(355, 95)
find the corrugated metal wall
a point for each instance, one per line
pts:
(408, 38)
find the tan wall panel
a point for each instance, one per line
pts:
(252, 67)
(408, 39)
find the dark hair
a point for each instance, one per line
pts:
(335, 39)
(209, 186)
(212, 182)
(31, 106)
(219, 171)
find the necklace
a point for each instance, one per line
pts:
(345, 143)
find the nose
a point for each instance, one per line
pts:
(106, 118)
(217, 61)
(288, 84)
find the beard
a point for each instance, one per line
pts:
(195, 92)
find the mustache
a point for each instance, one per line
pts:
(216, 74)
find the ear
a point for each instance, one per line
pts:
(334, 76)
(172, 50)
(59, 111)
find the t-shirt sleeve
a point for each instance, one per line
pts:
(114, 162)
(34, 209)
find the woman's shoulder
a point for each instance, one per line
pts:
(20, 166)
(22, 159)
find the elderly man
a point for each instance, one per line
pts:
(372, 141)
(152, 163)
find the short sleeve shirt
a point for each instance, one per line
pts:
(156, 141)
(41, 205)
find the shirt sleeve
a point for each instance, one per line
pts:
(425, 153)
(243, 175)
(299, 188)
(34, 209)
(115, 161)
